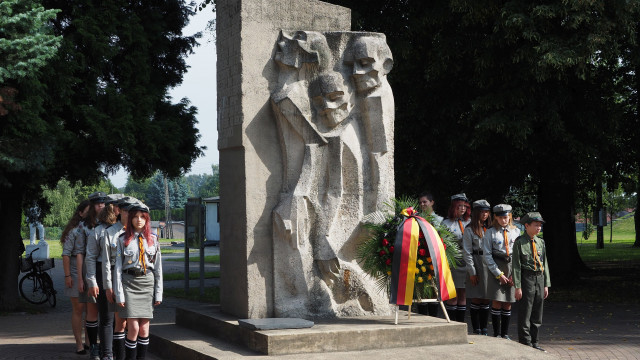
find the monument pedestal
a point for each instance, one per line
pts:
(41, 254)
(327, 335)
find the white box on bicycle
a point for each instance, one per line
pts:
(41, 254)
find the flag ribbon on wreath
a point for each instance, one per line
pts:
(403, 270)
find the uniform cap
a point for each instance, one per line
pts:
(97, 197)
(126, 201)
(113, 198)
(481, 204)
(531, 217)
(460, 196)
(501, 209)
(139, 206)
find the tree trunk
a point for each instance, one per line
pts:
(11, 210)
(636, 220)
(600, 230)
(557, 207)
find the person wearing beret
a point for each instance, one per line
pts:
(110, 244)
(138, 279)
(457, 219)
(497, 254)
(94, 259)
(97, 200)
(530, 278)
(73, 244)
(477, 272)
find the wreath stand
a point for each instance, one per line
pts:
(444, 310)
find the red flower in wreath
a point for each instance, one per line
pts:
(388, 262)
(382, 253)
(385, 242)
(391, 249)
(422, 252)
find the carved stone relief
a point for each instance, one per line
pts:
(334, 111)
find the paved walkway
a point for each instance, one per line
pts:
(570, 331)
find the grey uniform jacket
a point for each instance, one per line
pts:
(75, 243)
(493, 245)
(109, 249)
(94, 253)
(470, 243)
(127, 257)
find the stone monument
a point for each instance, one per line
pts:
(305, 124)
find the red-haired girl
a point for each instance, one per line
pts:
(138, 279)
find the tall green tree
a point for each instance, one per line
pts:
(492, 93)
(178, 192)
(211, 187)
(101, 103)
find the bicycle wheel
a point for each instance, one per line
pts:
(32, 290)
(47, 283)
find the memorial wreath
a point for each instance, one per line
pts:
(377, 252)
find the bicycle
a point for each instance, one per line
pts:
(37, 286)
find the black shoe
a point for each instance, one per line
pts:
(537, 347)
(506, 337)
(477, 332)
(484, 332)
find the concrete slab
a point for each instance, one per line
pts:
(343, 334)
(275, 323)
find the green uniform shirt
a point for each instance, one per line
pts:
(523, 259)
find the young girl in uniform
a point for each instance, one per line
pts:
(457, 219)
(97, 200)
(477, 273)
(73, 243)
(138, 279)
(94, 259)
(497, 249)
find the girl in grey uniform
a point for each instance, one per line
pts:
(477, 272)
(138, 279)
(97, 200)
(457, 219)
(497, 248)
(110, 245)
(94, 259)
(73, 243)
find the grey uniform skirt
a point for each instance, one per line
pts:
(459, 274)
(497, 292)
(73, 271)
(478, 291)
(138, 296)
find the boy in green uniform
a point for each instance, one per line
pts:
(530, 278)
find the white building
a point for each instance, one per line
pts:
(212, 219)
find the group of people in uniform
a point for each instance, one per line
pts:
(113, 274)
(498, 266)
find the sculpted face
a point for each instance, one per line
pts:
(299, 48)
(330, 99)
(371, 59)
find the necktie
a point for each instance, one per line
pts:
(461, 227)
(506, 240)
(536, 258)
(141, 257)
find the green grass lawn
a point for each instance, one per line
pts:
(210, 259)
(192, 275)
(619, 248)
(211, 294)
